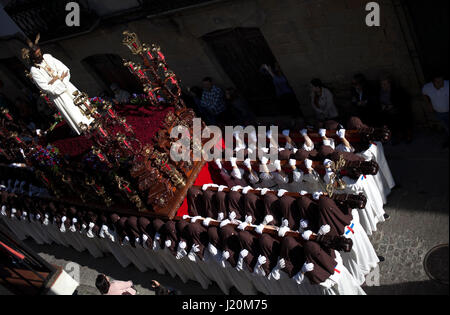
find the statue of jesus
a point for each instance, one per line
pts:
(53, 78)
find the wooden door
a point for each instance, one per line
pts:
(431, 25)
(109, 69)
(241, 52)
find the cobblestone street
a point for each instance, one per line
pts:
(419, 209)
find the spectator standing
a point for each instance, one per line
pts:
(213, 102)
(120, 96)
(285, 94)
(436, 96)
(193, 97)
(363, 99)
(240, 112)
(107, 287)
(322, 101)
(395, 109)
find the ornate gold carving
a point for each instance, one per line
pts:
(336, 183)
(131, 40)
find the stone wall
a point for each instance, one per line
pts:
(321, 38)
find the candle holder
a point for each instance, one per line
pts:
(124, 186)
(336, 181)
(81, 100)
(159, 83)
(131, 40)
(5, 113)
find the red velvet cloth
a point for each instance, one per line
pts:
(204, 177)
(145, 123)
(208, 175)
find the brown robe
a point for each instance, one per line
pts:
(327, 152)
(169, 232)
(230, 242)
(208, 208)
(132, 230)
(286, 155)
(236, 204)
(293, 254)
(195, 201)
(250, 242)
(290, 212)
(270, 248)
(355, 123)
(331, 125)
(333, 216)
(214, 238)
(197, 235)
(302, 155)
(324, 263)
(231, 181)
(272, 207)
(220, 204)
(309, 210)
(254, 206)
(145, 228)
(157, 226)
(121, 228)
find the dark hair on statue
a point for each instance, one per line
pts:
(34, 59)
(102, 284)
(30, 52)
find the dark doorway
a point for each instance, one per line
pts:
(109, 69)
(241, 52)
(430, 20)
(16, 69)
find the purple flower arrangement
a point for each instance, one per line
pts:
(47, 156)
(139, 99)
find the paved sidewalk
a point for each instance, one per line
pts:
(419, 209)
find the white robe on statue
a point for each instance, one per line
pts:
(60, 92)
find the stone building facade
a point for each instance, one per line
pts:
(328, 39)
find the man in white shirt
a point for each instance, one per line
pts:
(436, 96)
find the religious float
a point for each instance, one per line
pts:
(297, 224)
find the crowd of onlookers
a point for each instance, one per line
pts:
(381, 103)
